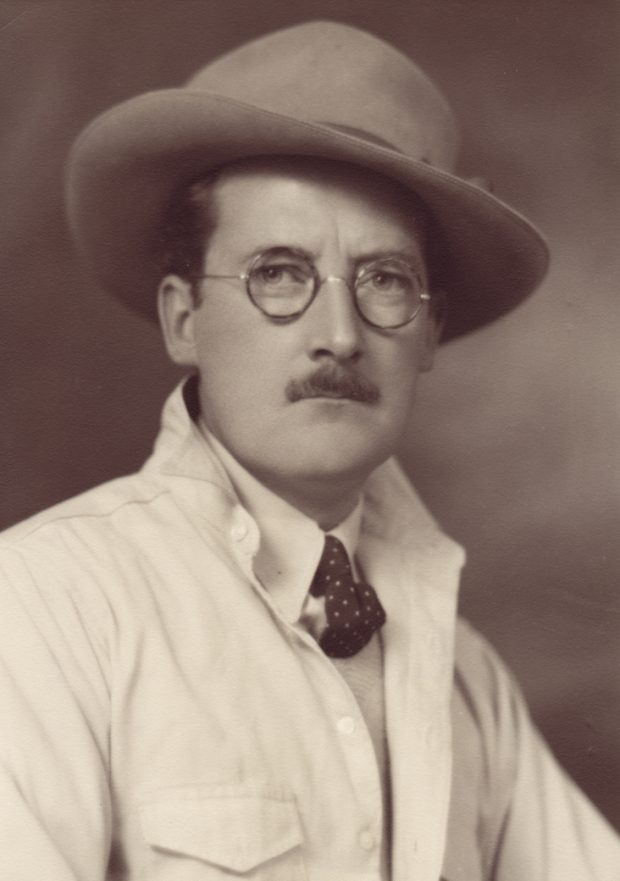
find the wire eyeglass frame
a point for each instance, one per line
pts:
(364, 273)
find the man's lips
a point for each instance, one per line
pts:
(335, 382)
(335, 396)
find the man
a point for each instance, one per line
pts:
(243, 660)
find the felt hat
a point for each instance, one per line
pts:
(320, 89)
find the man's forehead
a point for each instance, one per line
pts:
(278, 191)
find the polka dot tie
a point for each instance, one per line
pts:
(352, 609)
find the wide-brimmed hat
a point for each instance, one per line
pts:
(320, 89)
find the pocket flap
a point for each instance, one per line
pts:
(233, 832)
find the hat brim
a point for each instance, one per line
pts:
(129, 162)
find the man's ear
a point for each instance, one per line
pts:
(176, 308)
(434, 327)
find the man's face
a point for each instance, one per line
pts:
(257, 393)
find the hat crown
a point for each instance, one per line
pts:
(330, 73)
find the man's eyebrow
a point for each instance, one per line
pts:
(411, 256)
(278, 246)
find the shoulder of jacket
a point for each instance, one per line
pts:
(94, 506)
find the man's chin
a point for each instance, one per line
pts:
(326, 452)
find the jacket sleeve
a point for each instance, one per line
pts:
(534, 823)
(54, 794)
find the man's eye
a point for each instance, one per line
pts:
(382, 279)
(269, 273)
(387, 281)
(279, 274)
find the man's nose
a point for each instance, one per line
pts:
(335, 325)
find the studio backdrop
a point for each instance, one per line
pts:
(515, 443)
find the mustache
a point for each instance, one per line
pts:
(333, 381)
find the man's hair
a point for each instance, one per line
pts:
(188, 224)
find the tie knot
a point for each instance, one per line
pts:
(352, 609)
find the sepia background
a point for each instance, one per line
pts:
(516, 439)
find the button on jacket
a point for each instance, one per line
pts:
(162, 721)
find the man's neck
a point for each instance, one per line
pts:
(326, 510)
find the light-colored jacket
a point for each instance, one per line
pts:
(161, 721)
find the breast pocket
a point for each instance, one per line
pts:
(207, 836)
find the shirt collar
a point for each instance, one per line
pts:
(291, 543)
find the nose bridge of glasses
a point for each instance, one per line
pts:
(332, 278)
(341, 297)
(340, 316)
(336, 278)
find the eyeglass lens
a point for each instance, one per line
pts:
(282, 283)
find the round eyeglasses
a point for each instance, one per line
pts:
(282, 282)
